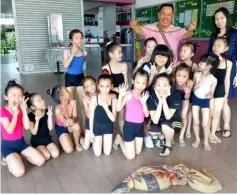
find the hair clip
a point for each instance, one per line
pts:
(108, 43)
(50, 91)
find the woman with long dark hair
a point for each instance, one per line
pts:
(222, 26)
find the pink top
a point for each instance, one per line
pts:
(134, 111)
(18, 131)
(65, 113)
(174, 38)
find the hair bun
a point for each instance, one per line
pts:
(11, 83)
(27, 94)
(49, 91)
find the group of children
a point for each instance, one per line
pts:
(164, 98)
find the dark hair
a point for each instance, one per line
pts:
(158, 76)
(224, 39)
(110, 48)
(13, 84)
(30, 100)
(185, 67)
(161, 75)
(163, 50)
(211, 59)
(167, 5)
(88, 78)
(194, 46)
(229, 27)
(149, 39)
(71, 34)
(55, 93)
(141, 72)
(105, 77)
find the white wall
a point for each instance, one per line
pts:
(148, 3)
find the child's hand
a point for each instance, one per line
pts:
(170, 69)
(23, 103)
(197, 85)
(70, 122)
(74, 51)
(167, 93)
(159, 96)
(187, 90)
(50, 111)
(235, 82)
(123, 89)
(209, 95)
(113, 96)
(144, 97)
(15, 108)
(87, 99)
(153, 69)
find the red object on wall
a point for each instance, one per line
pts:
(116, 1)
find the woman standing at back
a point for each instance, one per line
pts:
(222, 27)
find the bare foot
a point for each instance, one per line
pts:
(182, 143)
(196, 143)
(207, 147)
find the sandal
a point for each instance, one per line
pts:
(212, 140)
(166, 151)
(225, 131)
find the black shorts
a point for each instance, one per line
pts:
(174, 124)
(39, 142)
(13, 146)
(73, 80)
(60, 130)
(219, 92)
(102, 129)
(203, 103)
(132, 130)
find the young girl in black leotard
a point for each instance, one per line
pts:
(102, 115)
(41, 122)
(222, 75)
(118, 71)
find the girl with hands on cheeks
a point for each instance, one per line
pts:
(13, 120)
(165, 108)
(136, 111)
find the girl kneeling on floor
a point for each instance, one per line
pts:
(66, 118)
(136, 111)
(13, 120)
(41, 122)
(102, 116)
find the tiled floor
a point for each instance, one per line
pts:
(83, 172)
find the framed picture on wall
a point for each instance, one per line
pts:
(55, 30)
